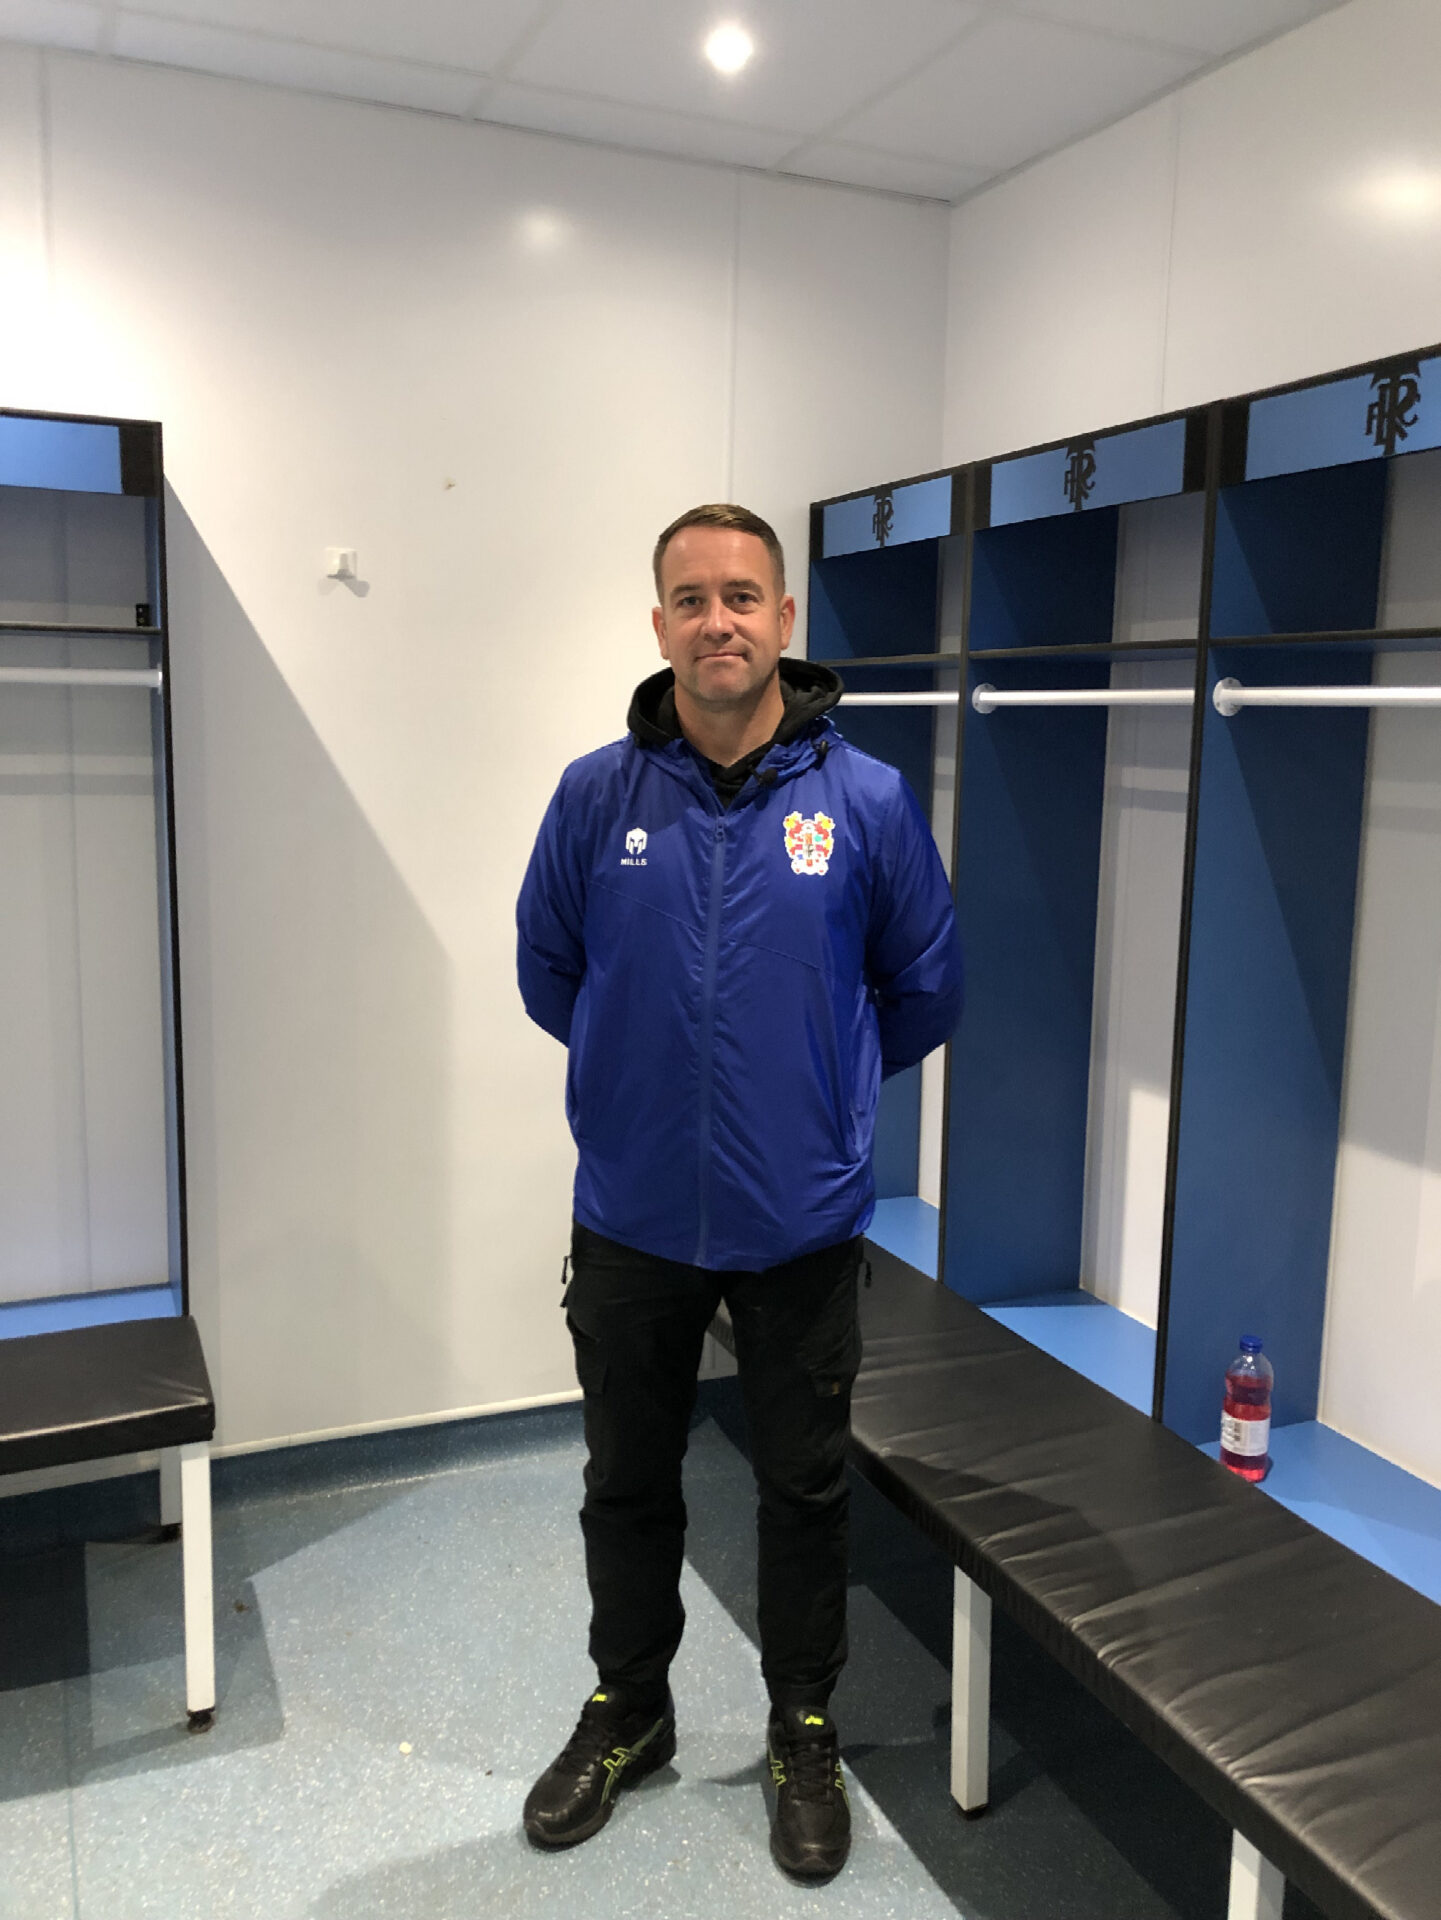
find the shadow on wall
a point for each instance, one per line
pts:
(316, 1012)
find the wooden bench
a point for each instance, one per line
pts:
(91, 1393)
(1292, 1684)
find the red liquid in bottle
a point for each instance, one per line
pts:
(1246, 1413)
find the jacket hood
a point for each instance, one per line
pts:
(809, 690)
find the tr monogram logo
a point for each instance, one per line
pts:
(883, 517)
(1080, 472)
(1396, 388)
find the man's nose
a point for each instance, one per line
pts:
(718, 617)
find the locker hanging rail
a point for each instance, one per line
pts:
(942, 699)
(1229, 696)
(986, 698)
(81, 677)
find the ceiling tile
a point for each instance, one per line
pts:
(1012, 89)
(1220, 26)
(443, 33)
(894, 172)
(51, 23)
(815, 59)
(627, 126)
(249, 56)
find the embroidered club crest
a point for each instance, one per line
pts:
(809, 842)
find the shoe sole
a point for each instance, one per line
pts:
(649, 1763)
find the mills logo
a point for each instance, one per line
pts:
(809, 843)
(635, 844)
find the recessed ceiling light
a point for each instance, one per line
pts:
(729, 48)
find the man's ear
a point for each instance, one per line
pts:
(788, 619)
(657, 620)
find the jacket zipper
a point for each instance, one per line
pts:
(710, 967)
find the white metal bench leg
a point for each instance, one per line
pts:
(197, 1560)
(1257, 1888)
(970, 1697)
(170, 1486)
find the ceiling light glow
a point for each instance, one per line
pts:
(1407, 195)
(542, 230)
(729, 48)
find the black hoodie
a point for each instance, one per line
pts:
(809, 690)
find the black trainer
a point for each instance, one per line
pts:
(609, 1749)
(811, 1831)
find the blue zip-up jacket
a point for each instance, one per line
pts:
(733, 983)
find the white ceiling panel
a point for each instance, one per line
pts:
(1012, 89)
(930, 97)
(892, 172)
(456, 33)
(627, 126)
(1210, 26)
(51, 23)
(815, 60)
(250, 56)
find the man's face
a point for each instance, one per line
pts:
(721, 625)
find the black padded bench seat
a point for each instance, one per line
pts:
(1292, 1684)
(89, 1393)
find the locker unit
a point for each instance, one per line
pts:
(92, 1195)
(1195, 665)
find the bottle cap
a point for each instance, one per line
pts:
(1249, 1343)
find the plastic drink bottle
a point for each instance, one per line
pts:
(1246, 1412)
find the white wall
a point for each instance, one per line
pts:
(495, 363)
(1138, 911)
(1383, 1322)
(1278, 218)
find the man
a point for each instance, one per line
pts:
(737, 923)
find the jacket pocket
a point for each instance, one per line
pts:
(863, 1080)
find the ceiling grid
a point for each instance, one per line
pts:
(932, 98)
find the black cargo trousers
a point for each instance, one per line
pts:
(638, 1323)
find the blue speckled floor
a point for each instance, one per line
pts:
(401, 1632)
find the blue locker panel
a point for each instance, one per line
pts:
(68, 456)
(893, 516)
(1396, 408)
(874, 603)
(1104, 470)
(905, 737)
(1300, 554)
(1045, 582)
(1032, 784)
(1279, 830)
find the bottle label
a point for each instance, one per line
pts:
(1249, 1437)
